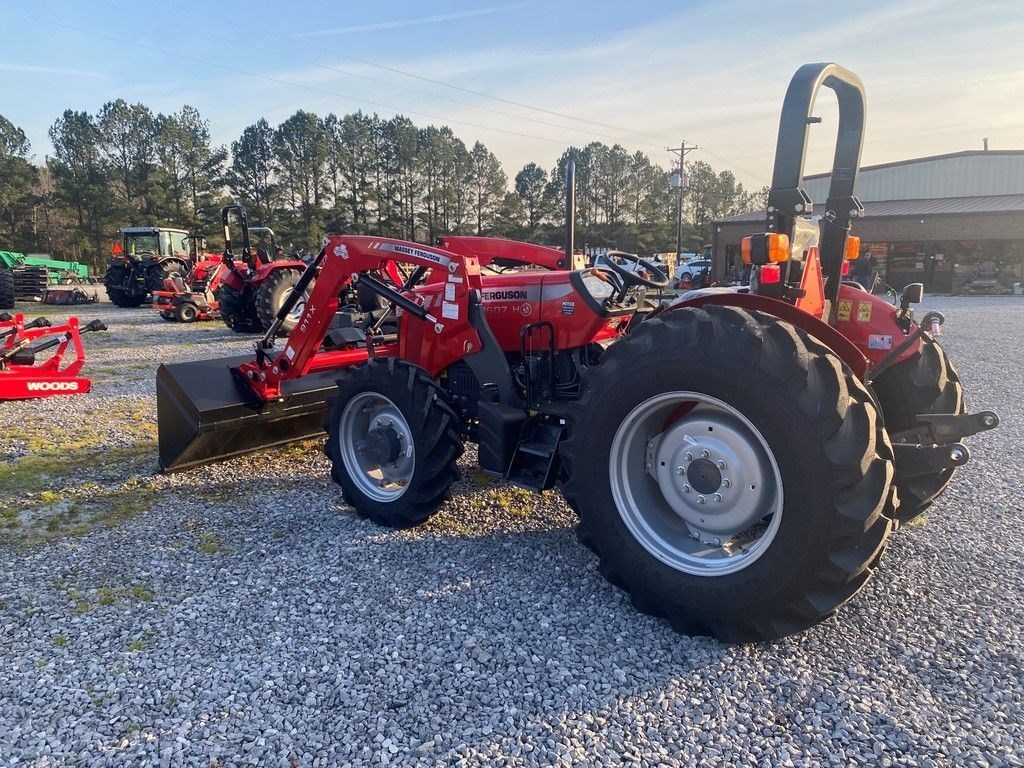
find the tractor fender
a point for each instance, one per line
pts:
(869, 321)
(820, 330)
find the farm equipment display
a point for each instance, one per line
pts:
(144, 258)
(738, 458)
(32, 275)
(193, 298)
(26, 373)
(256, 284)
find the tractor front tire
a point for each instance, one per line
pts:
(271, 295)
(237, 314)
(114, 282)
(730, 472)
(6, 288)
(925, 383)
(393, 442)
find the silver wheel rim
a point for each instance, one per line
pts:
(377, 477)
(696, 483)
(300, 306)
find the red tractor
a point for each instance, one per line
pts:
(256, 282)
(737, 458)
(193, 298)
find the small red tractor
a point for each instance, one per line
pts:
(737, 458)
(25, 374)
(194, 297)
(256, 282)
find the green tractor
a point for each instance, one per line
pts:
(143, 258)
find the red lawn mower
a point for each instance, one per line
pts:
(193, 298)
(737, 458)
(25, 373)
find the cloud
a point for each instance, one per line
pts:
(38, 70)
(411, 22)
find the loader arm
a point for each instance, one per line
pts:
(437, 336)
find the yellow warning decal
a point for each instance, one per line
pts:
(864, 312)
(845, 307)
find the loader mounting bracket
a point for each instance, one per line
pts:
(914, 460)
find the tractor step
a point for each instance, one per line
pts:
(535, 461)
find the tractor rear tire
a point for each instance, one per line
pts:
(114, 282)
(6, 288)
(392, 405)
(156, 273)
(815, 487)
(186, 313)
(925, 383)
(237, 314)
(271, 295)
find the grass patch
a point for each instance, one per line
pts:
(37, 472)
(60, 641)
(210, 544)
(919, 520)
(84, 512)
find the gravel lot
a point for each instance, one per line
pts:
(242, 615)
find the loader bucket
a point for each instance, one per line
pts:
(205, 415)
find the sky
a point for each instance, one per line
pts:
(532, 77)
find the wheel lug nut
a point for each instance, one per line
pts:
(701, 500)
(721, 464)
(689, 456)
(705, 454)
(726, 482)
(717, 497)
(686, 488)
(681, 470)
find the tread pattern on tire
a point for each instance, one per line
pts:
(266, 307)
(925, 383)
(236, 313)
(6, 288)
(435, 428)
(780, 357)
(112, 281)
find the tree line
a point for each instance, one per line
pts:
(311, 175)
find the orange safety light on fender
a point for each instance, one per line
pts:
(765, 248)
(852, 252)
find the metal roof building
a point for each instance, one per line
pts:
(930, 219)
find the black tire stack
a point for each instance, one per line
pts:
(7, 295)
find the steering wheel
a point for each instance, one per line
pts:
(628, 278)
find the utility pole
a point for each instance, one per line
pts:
(678, 181)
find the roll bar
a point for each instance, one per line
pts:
(787, 198)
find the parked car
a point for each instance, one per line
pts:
(685, 273)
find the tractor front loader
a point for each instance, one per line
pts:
(729, 455)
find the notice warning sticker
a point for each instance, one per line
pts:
(845, 308)
(449, 292)
(864, 312)
(450, 311)
(878, 341)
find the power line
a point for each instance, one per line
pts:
(349, 73)
(279, 81)
(406, 73)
